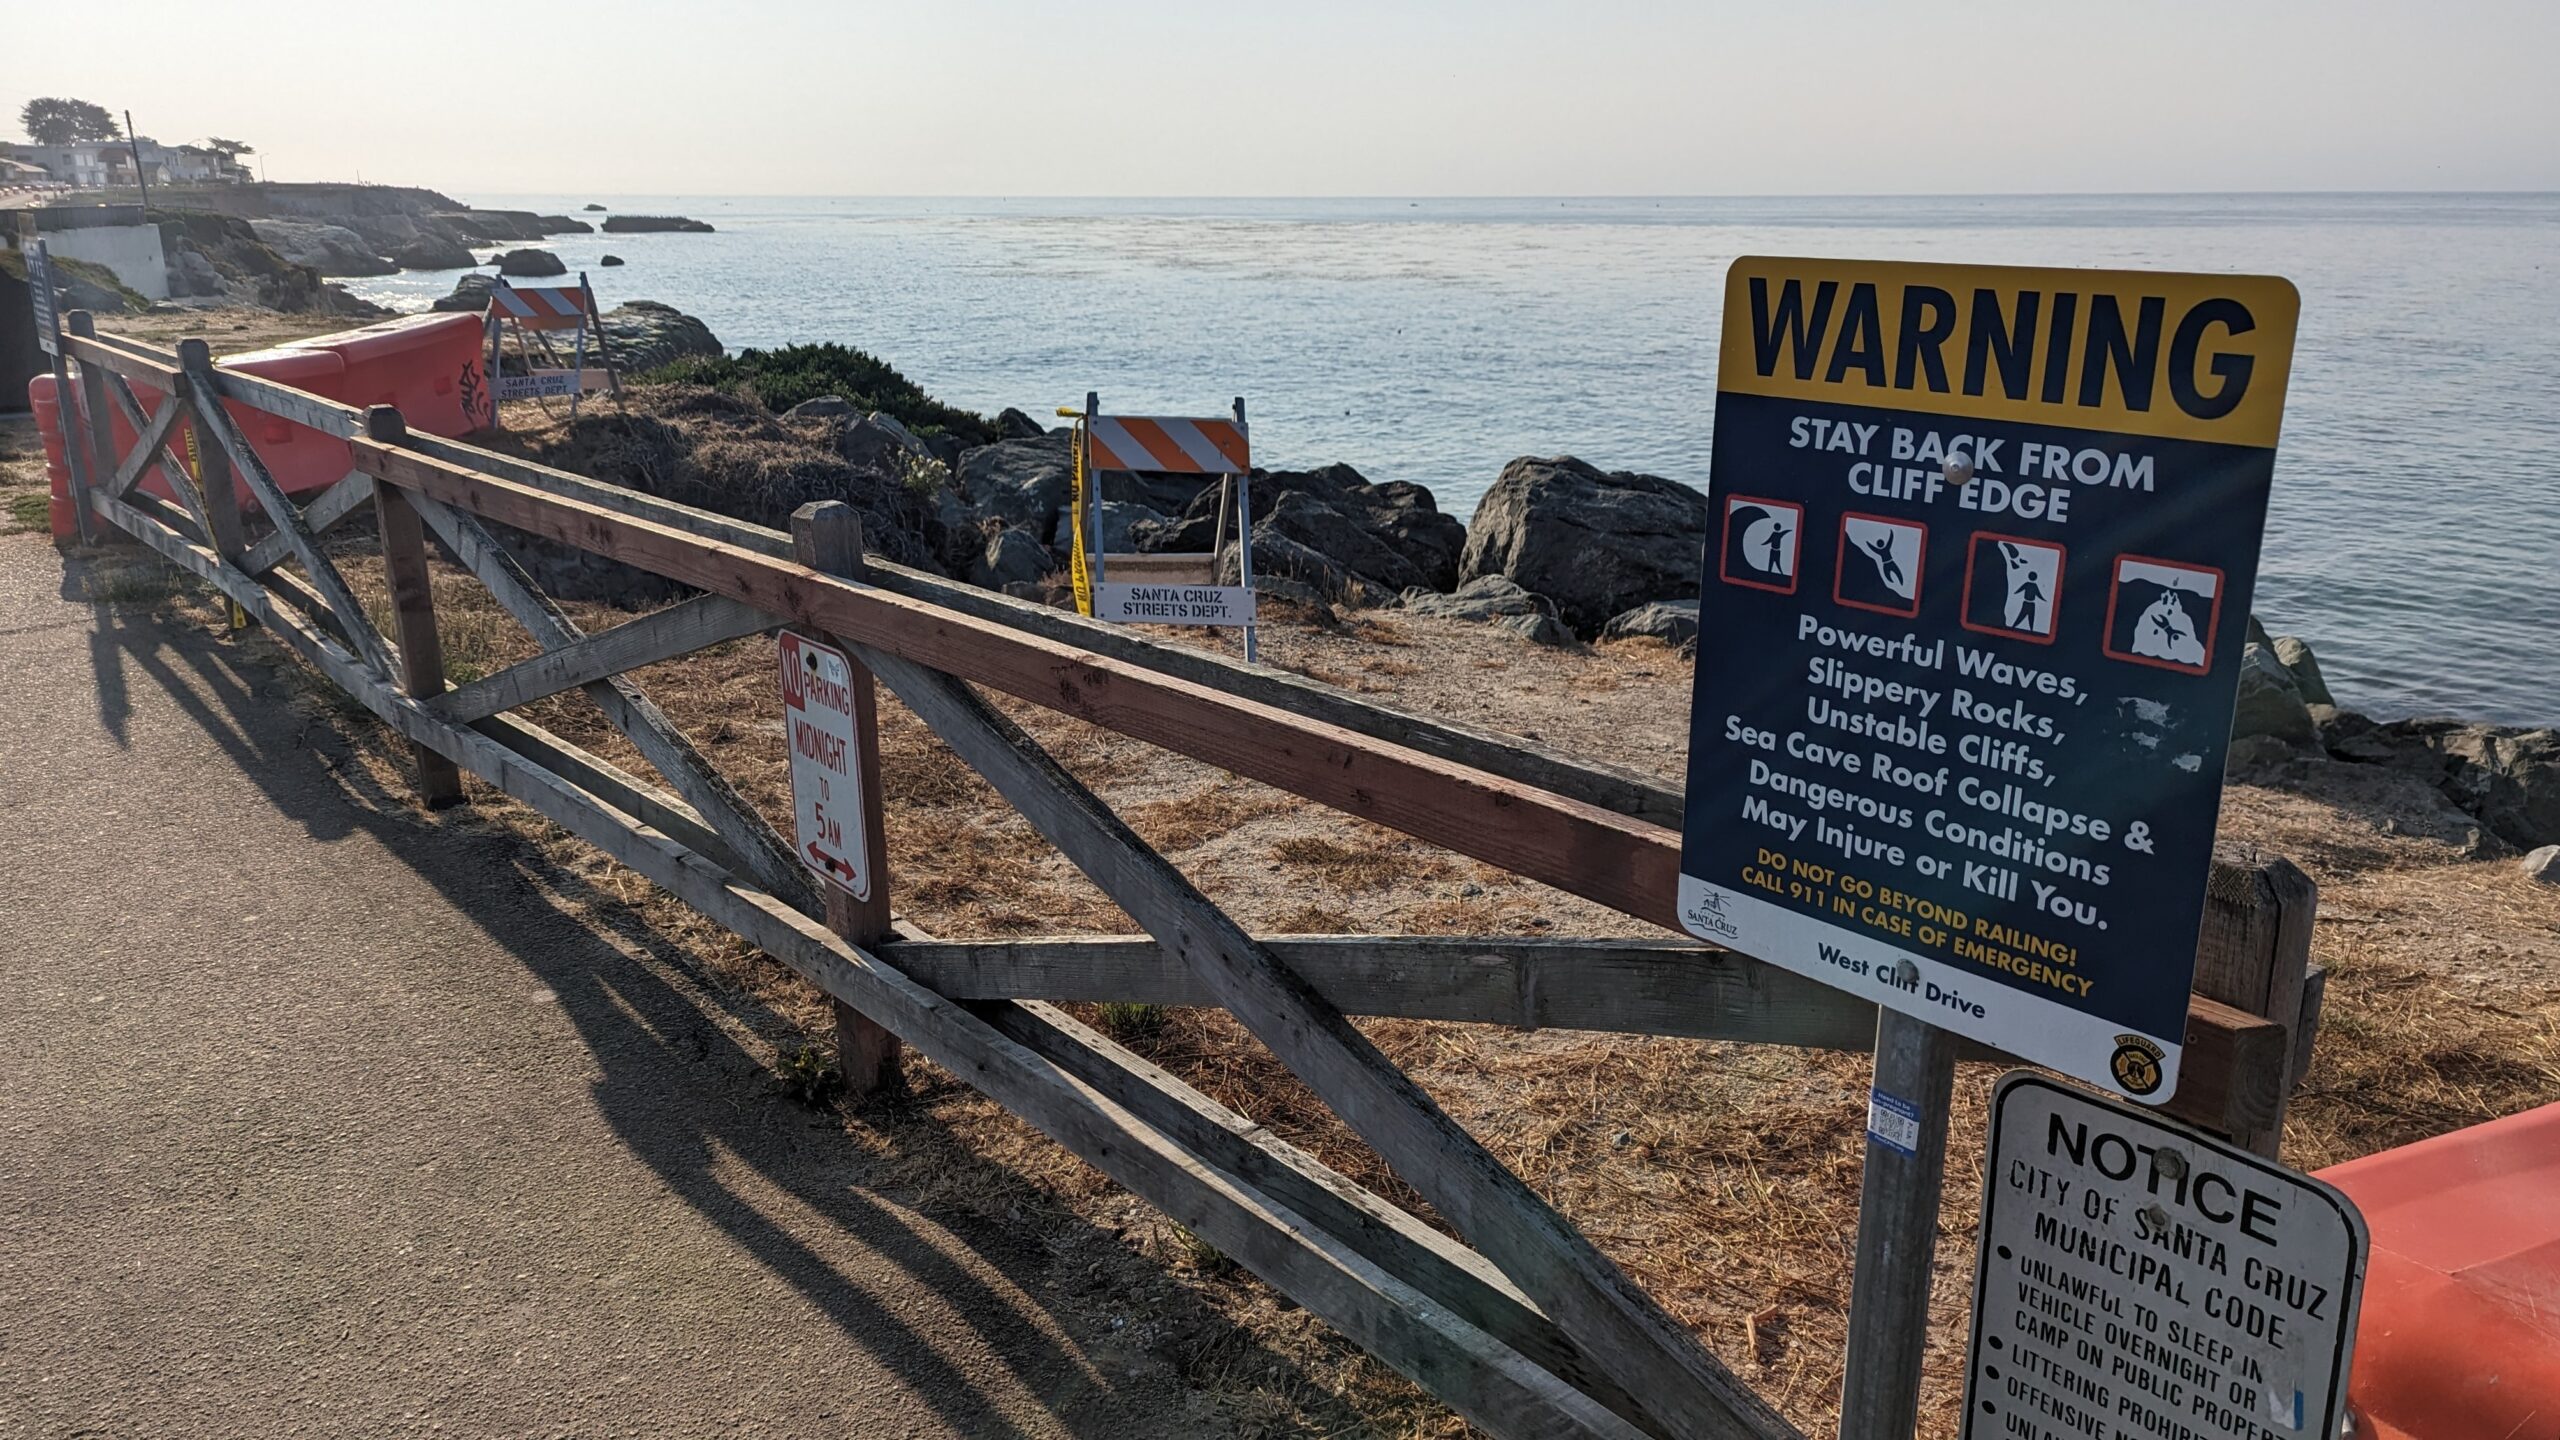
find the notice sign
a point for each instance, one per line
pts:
(40, 285)
(826, 763)
(1979, 556)
(1173, 604)
(2138, 1281)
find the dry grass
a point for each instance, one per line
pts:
(1722, 1178)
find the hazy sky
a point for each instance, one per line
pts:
(1324, 97)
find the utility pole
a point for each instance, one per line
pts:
(141, 181)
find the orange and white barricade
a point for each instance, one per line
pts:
(535, 311)
(1161, 589)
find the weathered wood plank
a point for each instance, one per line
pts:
(181, 484)
(214, 425)
(1651, 987)
(2254, 953)
(352, 493)
(680, 629)
(146, 447)
(616, 786)
(1447, 1272)
(634, 714)
(216, 488)
(1612, 1320)
(1488, 1382)
(413, 614)
(828, 537)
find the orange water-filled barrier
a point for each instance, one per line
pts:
(429, 366)
(2459, 1338)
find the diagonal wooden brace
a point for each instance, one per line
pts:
(680, 629)
(768, 858)
(215, 422)
(353, 492)
(1605, 1314)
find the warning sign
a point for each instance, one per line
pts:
(826, 763)
(1969, 645)
(1173, 604)
(2138, 1281)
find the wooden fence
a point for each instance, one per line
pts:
(1524, 1328)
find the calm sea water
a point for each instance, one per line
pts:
(2416, 531)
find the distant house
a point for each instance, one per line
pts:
(95, 164)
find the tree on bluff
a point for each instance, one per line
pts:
(58, 120)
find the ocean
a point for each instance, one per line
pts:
(2415, 535)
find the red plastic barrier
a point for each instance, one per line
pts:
(423, 364)
(2460, 1333)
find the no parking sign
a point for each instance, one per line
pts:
(818, 722)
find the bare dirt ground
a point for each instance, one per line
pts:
(1724, 1178)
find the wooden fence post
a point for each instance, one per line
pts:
(2254, 954)
(1914, 1083)
(213, 463)
(101, 438)
(413, 605)
(827, 536)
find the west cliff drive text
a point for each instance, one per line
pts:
(1980, 544)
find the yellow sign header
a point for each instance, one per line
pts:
(2138, 352)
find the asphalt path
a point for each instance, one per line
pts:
(319, 1120)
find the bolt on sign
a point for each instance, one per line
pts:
(2139, 1281)
(826, 763)
(1979, 557)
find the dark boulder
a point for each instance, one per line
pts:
(1012, 424)
(591, 205)
(1389, 537)
(1024, 483)
(433, 252)
(471, 292)
(2270, 703)
(563, 225)
(530, 263)
(1011, 557)
(609, 261)
(1595, 542)
(645, 334)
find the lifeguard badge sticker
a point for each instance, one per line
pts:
(1980, 553)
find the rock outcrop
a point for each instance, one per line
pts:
(1493, 600)
(530, 263)
(1022, 483)
(653, 224)
(471, 292)
(433, 252)
(2507, 778)
(1595, 542)
(1011, 557)
(1673, 622)
(329, 249)
(645, 334)
(1384, 539)
(2271, 702)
